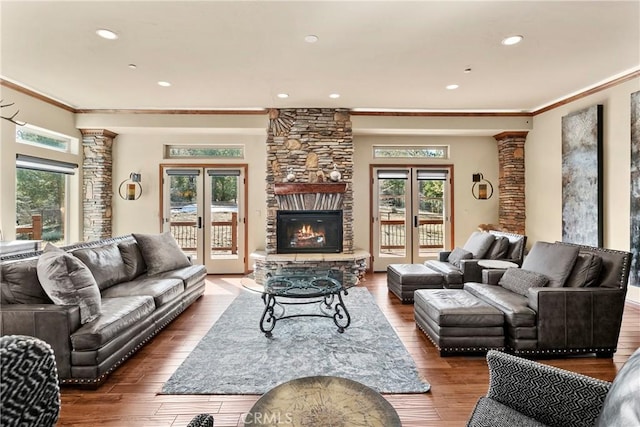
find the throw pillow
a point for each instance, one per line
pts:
(457, 255)
(132, 257)
(519, 281)
(498, 248)
(105, 263)
(554, 260)
(478, 243)
(585, 272)
(161, 252)
(67, 281)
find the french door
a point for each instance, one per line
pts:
(411, 220)
(204, 209)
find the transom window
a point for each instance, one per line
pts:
(32, 135)
(204, 152)
(418, 151)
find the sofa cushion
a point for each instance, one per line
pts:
(586, 271)
(67, 281)
(132, 258)
(105, 263)
(457, 255)
(517, 312)
(162, 290)
(621, 406)
(189, 275)
(118, 315)
(479, 243)
(161, 252)
(498, 248)
(553, 260)
(520, 280)
(489, 412)
(19, 283)
(452, 274)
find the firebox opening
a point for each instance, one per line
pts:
(309, 231)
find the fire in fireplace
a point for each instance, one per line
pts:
(309, 231)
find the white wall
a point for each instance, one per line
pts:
(47, 116)
(543, 156)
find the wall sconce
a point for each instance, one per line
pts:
(482, 189)
(130, 188)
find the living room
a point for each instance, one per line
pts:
(139, 136)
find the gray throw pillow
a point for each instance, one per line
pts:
(498, 249)
(586, 271)
(105, 263)
(67, 281)
(554, 260)
(132, 257)
(161, 252)
(457, 255)
(519, 281)
(479, 243)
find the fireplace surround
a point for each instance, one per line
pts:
(309, 231)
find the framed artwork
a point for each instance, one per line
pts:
(634, 271)
(582, 177)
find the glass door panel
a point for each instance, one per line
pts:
(182, 188)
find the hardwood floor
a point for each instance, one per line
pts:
(129, 397)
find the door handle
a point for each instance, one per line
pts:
(199, 222)
(415, 221)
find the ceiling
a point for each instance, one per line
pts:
(378, 55)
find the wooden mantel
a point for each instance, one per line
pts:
(282, 188)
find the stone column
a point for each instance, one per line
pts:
(511, 185)
(97, 185)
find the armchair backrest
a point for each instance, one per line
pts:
(517, 244)
(615, 265)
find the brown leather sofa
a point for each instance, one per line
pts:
(565, 299)
(135, 303)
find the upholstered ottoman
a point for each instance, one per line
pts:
(404, 279)
(456, 321)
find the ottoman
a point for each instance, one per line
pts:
(404, 279)
(456, 321)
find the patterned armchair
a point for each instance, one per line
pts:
(28, 382)
(525, 393)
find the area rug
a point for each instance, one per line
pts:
(235, 357)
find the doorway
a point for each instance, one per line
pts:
(411, 214)
(204, 209)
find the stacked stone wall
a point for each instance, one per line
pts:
(306, 143)
(511, 183)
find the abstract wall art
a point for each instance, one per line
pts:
(582, 177)
(634, 272)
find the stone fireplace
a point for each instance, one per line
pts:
(304, 146)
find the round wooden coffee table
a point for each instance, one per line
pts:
(322, 401)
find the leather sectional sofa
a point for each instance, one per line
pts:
(565, 299)
(136, 285)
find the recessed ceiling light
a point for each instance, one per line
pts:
(311, 38)
(164, 84)
(467, 70)
(282, 95)
(334, 96)
(132, 66)
(106, 34)
(511, 40)
(452, 87)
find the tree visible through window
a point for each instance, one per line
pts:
(40, 204)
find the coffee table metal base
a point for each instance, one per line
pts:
(331, 306)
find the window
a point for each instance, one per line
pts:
(39, 137)
(425, 152)
(42, 198)
(204, 152)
